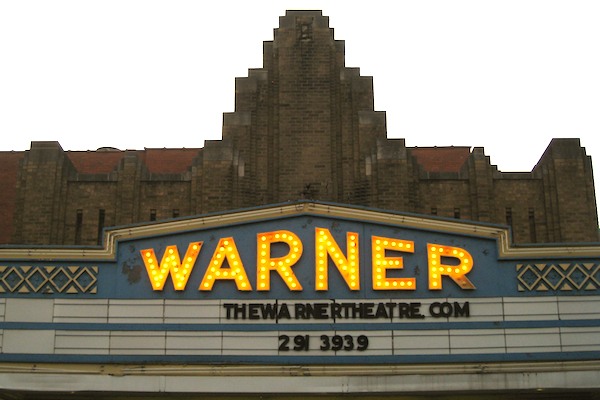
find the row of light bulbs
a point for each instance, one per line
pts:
(327, 249)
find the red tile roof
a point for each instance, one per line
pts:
(441, 159)
(169, 161)
(95, 162)
(175, 161)
(161, 161)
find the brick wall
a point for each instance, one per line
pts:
(304, 127)
(9, 169)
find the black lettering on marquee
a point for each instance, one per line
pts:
(447, 309)
(381, 311)
(336, 311)
(273, 311)
(340, 311)
(311, 311)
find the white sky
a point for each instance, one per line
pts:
(507, 75)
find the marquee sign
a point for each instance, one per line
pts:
(301, 283)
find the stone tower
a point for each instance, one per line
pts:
(304, 122)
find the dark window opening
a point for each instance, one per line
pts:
(509, 216)
(532, 232)
(153, 215)
(175, 212)
(78, 226)
(457, 213)
(101, 218)
(433, 210)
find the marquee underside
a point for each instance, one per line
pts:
(521, 380)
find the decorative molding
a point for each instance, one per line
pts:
(48, 279)
(564, 277)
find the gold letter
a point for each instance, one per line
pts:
(226, 250)
(381, 263)
(265, 264)
(457, 272)
(170, 264)
(326, 245)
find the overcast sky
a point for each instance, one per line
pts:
(505, 75)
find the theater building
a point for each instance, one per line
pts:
(305, 254)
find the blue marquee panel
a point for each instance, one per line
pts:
(103, 308)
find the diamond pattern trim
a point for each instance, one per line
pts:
(48, 279)
(558, 277)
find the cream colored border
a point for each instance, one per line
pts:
(300, 370)
(505, 249)
(281, 379)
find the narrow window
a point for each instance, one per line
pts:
(532, 232)
(175, 212)
(433, 210)
(153, 215)
(101, 217)
(457, 213)
(78, 226)
(509, 216)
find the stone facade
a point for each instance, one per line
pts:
(304, 127)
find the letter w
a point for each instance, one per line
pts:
(170, 264)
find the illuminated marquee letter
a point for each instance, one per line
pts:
(226, 250)
(283, 265)
(456, 271)
(170, 264)
(381, 263)
(325, 245)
